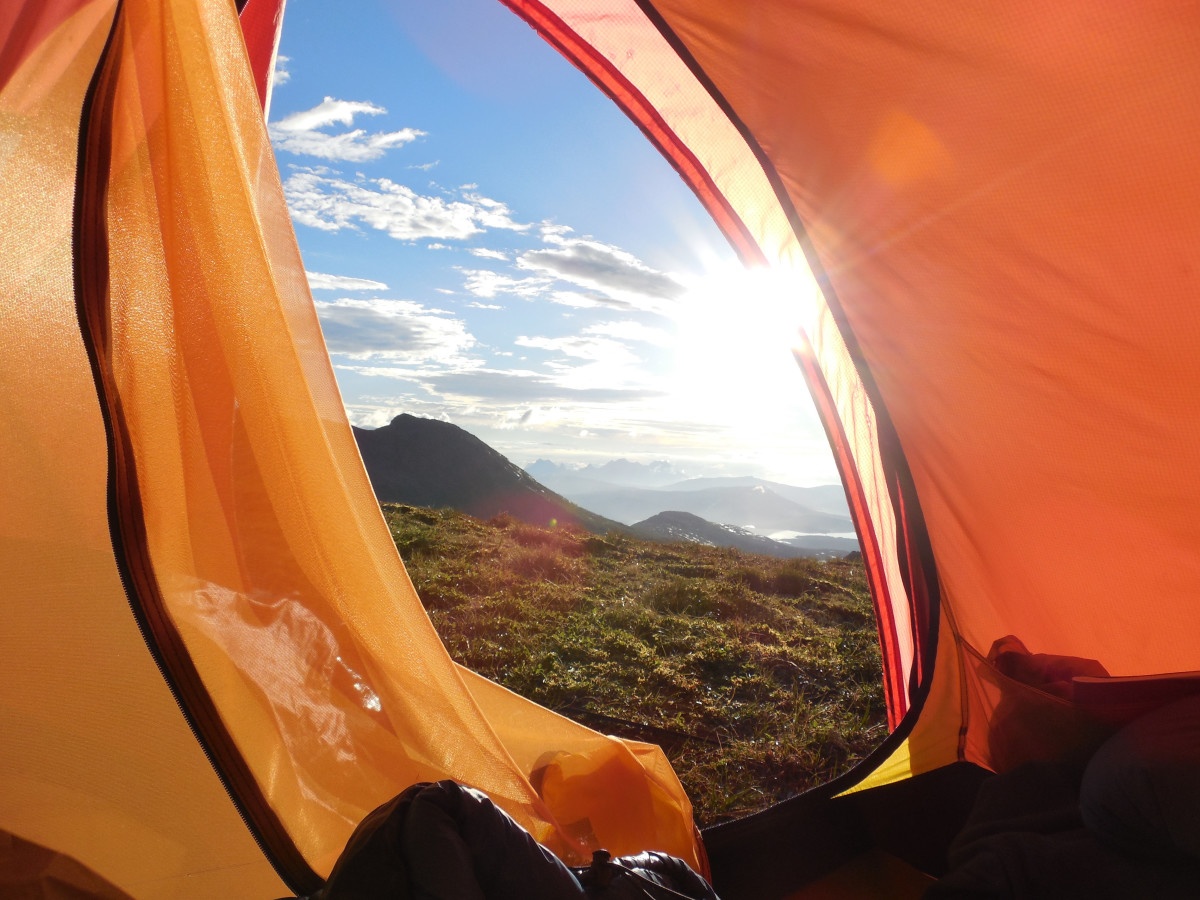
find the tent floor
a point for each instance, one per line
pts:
(889, 841)
(872, 874)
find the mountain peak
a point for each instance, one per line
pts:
(430, 462)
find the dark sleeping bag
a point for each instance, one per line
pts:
(445, 841)
(1141, 791)
(1125, 825)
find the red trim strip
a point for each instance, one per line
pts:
(260, 20)
(889, 646)
(917, 564)
(634, 104)
(893, 461)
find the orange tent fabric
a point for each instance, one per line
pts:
(94, 751)
(1001, 211)
(992, 213)
(167, 296)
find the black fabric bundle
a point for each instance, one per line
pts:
(444, 841)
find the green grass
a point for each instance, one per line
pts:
(759, 677)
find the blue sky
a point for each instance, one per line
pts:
(492, 243)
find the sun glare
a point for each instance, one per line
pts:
(733, 365)
(737, 330)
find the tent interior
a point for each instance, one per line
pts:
(213, 662)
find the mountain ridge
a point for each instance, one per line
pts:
(436, 464)
(428, 462)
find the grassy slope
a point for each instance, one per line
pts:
(758, 676)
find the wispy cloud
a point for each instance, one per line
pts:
(588, 362)
(506, 386)
(592, 300)
(487, 284)
(489, 254)
(325, 200)
(604, 269)
(318, 281)
(553, 232)
(630, 331)
(596, 349)
(301, 132)
(600, 276)
(394, 330)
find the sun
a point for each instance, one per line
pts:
(738, 328)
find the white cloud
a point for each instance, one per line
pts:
(328, 112)
(587, 301)
(587, 363)
(491, 213)
(506, 386)
(331, 203)
(319, 281)
(597, 349)
(280, 75)
(373, 416)
(486, 283)
(477, 305)
(553, 233)
(489, 254)
(610, 279)
(616, 276)
(630, 331)
(400, 330)
(301, 133)
(399, 373)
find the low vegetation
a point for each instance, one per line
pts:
(759, 677)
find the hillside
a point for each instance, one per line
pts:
(759, 677)
(426, 462)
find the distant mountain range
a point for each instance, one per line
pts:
(682, 526)
(620, 491)
(426, 462)
(617, 472)
(829, 498)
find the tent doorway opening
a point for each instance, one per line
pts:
(597, 331)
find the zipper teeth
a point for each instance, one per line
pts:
(126, 529)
